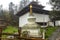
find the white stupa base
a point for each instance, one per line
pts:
(33, 32)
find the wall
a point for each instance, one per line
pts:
(51, 23)
(23, 20)
(39, 18)
(57, 23)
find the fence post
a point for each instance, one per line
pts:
(19, 31)
(0, 33)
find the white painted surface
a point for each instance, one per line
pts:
(57, 23)
(23, 20)
(32, 32)
(51, 24)
(39, 18)
(43, 34)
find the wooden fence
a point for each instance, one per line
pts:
(17, 36)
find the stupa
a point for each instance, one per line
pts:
(31, 29)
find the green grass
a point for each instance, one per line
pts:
(50, 30)
(10, 29)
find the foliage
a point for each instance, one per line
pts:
(9, 16)
(10, 29)
(56, 8)
(54, 14)
(56, 4)
(6, 15)
(50, 30)
(23, 3)
(11, 19)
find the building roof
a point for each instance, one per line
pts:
(36, 8)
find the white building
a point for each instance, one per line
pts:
(42, 16)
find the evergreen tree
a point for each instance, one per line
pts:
(11, 6)
(23, 3)
(12, 10)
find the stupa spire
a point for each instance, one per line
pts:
(30, 9)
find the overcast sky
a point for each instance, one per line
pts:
(5, 3)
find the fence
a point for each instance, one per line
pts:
(9, 36)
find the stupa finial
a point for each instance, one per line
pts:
(30, 9)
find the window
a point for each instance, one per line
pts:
(42, 23)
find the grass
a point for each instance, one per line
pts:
(49, 31)
(11, 29)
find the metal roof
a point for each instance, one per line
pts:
(36, 8)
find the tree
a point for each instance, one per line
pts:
(56, 8)
(23, 3)
(55, 4)
(8, 19)
(55, 13)
(11, 5)
(12, 11)
(7, 16)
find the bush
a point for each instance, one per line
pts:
(50, 30)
